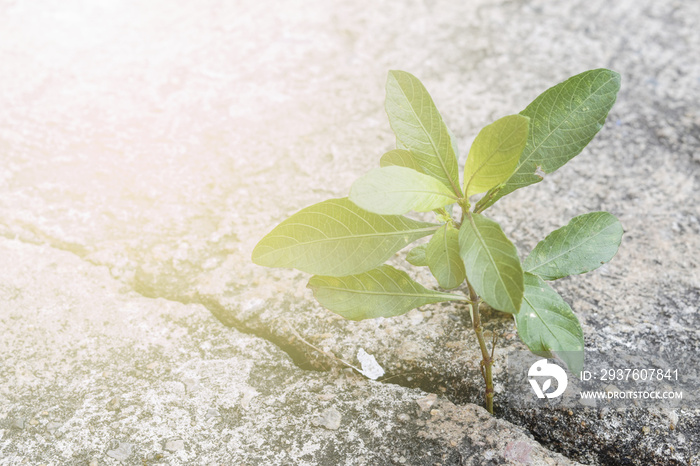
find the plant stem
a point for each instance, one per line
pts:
(464, 205)
(487, 359)
(483, 202)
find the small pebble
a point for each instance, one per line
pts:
(175, 445)
(191, 384)
(427, 402)
(52, 426)
(122, 452)
(645, 430)
(330, 419)
(415, 317)
(673, 417)
(113, 404)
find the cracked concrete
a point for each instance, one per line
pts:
(93, 373)
(163, 142)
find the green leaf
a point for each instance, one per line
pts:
(495, 154)
(419, 128)
(397, 190)
(547, 325)
(337, 238)
(491, 262)
(563, 120)
(381, 292)
(442, 255)
(416, 256)
(399, 158)
(587, 242)
(453, 142)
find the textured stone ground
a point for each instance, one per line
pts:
(162, 140)
(94, 373)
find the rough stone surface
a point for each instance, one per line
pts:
(191, 390)
(163, 141)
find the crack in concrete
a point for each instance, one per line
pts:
(427, 382)
(455, 388)
(298, 357)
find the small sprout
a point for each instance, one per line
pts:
(345, 242)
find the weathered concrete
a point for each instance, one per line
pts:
(93, 373)
(164, 141)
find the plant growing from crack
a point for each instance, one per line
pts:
(344, 242)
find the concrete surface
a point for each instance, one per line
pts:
(162, 140)
(94, 373)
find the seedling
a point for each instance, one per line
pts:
(345, 241)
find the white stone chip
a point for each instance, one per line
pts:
(175, 445)
(370, 367)
(330, 419)
(427, 402)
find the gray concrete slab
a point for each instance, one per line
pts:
(94, 373)
(163, 140)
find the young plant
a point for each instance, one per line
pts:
(344, 242)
